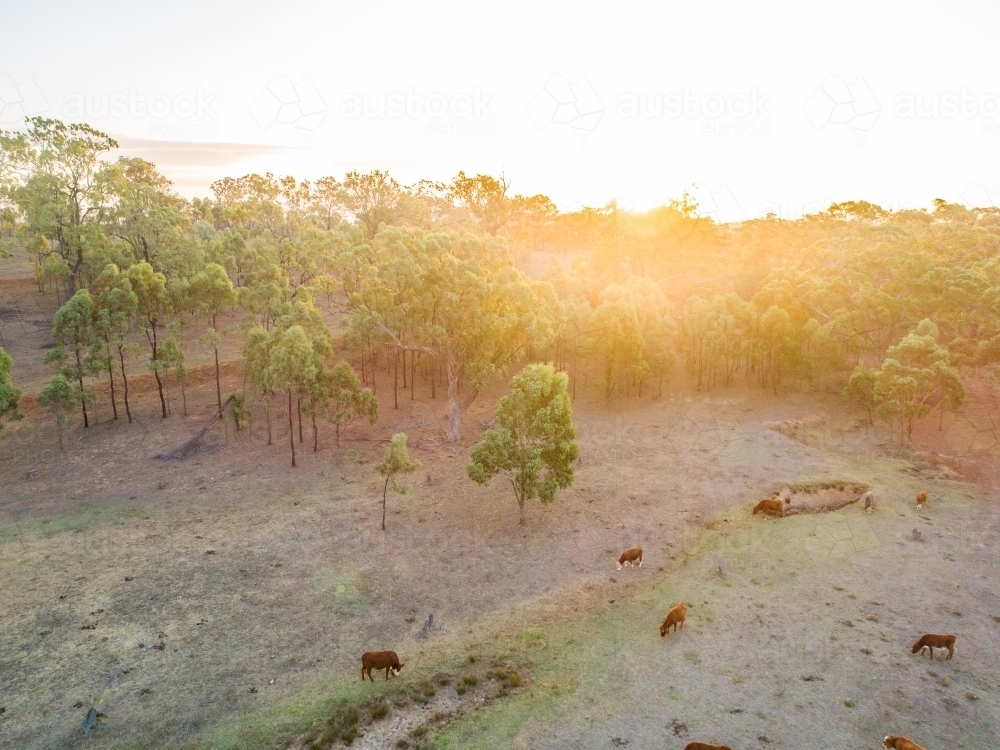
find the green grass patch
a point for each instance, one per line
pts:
(70, 523)
(342, 592)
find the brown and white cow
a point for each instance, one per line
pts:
(931, 641)
(897, 742)
(379, 660)
(769, 506)
(921, 499)
(630, 556)
(675, 618)
(705, 746)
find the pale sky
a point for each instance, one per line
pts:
(756, 107)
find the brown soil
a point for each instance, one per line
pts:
(820, 496)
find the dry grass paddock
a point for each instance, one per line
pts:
(223, 601)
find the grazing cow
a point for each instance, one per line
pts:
(897, 742)
(675, 617)
(869, 498)
(705, 746)
(630, 556)
(379, 660)
(921, 499)
(931, 641)
(769, 506)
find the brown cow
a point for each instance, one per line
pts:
(931, 641)
(769, 506)
(921, 499)
(705, 746)
(629, 557)
(675, 617)
(379, 660)
(897, 742)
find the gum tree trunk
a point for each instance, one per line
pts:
(291, 427)
(121, 357)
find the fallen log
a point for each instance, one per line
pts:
(191, 445)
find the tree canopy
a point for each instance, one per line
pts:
(535, 445)
(458, 282)
(9, 395)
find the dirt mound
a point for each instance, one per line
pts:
(927, 463)
(818, 497)
(798, 429)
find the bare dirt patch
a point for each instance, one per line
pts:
(819, 496)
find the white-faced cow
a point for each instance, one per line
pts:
(931, 641)
(379, 660)
(630, 557)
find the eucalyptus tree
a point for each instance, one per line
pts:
(172, 357)
(535, 445)
(485, 198)
(291, 367)
(266, 295)
(532, 222)
(117, 307)
(459, 298)
(395, 462)
(290, 358)
(211, 292)
(326, 202)
(256, 356)
(345, 398)
(146, 221)
(303, 313)
(9, 395)
(616, 340)
(58, 398)
(250, 204)
(925, 366)
(73, 330)
(372, 198)
(895, 393)
(52, 188)
(153, 306)
(778, 349)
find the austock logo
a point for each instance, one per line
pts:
(38, 444)
(285, 102)
(949, 105)
(602, 440)
(721, 205)
(851, 105)
(185, 114)
(735, 114)
(20, 100)
(602, 228)
(979, 196)
(563, 102)
(463, 113)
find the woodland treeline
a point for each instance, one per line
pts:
(445, 285)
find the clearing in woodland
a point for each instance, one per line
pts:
(225, 600)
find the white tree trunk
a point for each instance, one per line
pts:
(454, 406)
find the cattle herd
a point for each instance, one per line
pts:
(389, 661)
